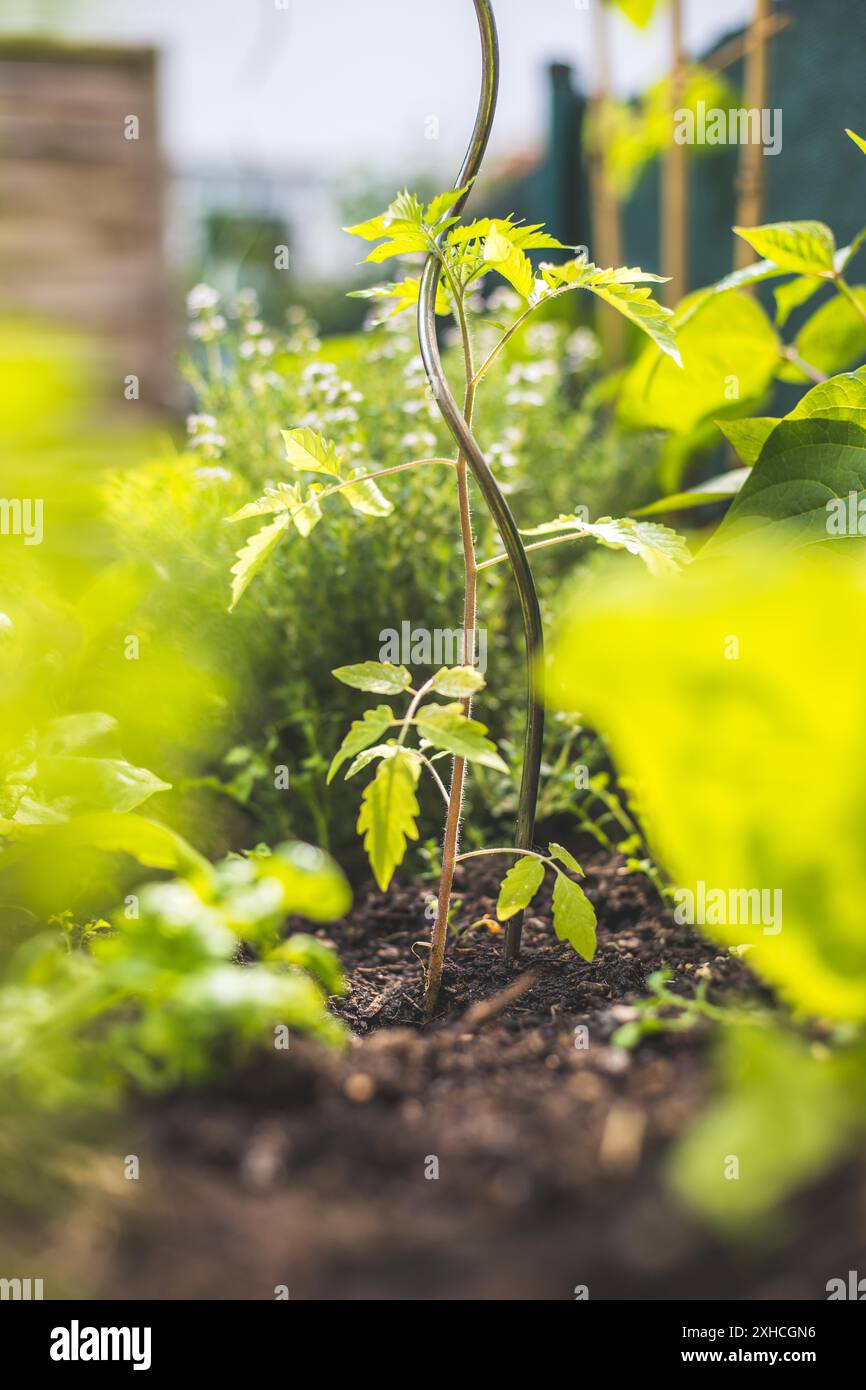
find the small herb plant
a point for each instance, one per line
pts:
(156, 997)
(438, 712)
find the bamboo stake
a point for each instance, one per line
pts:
(675, 179)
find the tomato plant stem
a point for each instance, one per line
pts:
(472, 457)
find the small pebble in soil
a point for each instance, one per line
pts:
(359, 1088)
(613, 1060)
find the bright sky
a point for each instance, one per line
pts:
(354, 82)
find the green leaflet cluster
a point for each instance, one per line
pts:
(298, 505)
(574, 917)
(389, 807)
(472, 249)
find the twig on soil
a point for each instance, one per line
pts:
(491, 1008)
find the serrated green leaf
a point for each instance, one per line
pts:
(557, 851)
(389, 809)
(638, 306)
(372, 229)
(501, 253)
(308, 452)
(368, 756)
(405, 295)
(574, 917)
(446, 727)
(626, 289)
(662, 550)
(805, 247)
(405, 243)
(738, 279)
(443, 203)
(362, 733)
(254, 554)
(278, 498)
(367, 498)
(380, 677)
(519, 887)
(457, 681)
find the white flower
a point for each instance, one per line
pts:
(213, 474)
(209, 441)
(194, 423)
(201, 299)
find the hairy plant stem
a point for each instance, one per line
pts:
(536, 545)
(451, 837)
(472, 456)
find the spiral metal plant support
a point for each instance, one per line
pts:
(471, 453)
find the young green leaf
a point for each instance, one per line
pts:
(443, 203)
(564, 856)
(574, 916)
(405, 295)
(253, 554)
(310, 453)
(367, 498)
(662, 550)
(519, 887)
(457, 681)
(511, 263)
(380, 677)
(806, 248)
(362, 733)
(304, 512)
(388, 813)
(626, 289)
(446, 727)
(279, 498)
(368, 756)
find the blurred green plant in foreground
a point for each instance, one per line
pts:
(735, 698)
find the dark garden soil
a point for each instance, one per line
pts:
(312, 1172)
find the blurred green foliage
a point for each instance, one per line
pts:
(735, 698)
